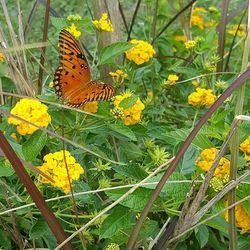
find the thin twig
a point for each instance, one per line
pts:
(133, 19)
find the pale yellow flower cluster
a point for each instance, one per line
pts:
(30, 110)
(75, 17)
(202, 97)
(131, 115)
(104, 24)
(242, 218)
(172, 79)
(73, 30)
(142, 52)
(118, 76)
(245, 147)
(54, 166)
(190, 44)
(90, 107)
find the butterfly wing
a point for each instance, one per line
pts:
(72, 80)
(93, 92)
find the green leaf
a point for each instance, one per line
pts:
(33, 146)
(202, 235)
(128, 102)
(59, 22)
(130, 150)
(5, 241)
(39, 229)
(179, 135)
(5, 168)
(136, 201)
(122, 129)
(108, 53)
(134, 172)
(118, 219)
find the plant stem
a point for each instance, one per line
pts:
(235, 147)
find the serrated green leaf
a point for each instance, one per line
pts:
(39, 229)
(58, 22)
(136, 201)
(130, 150)
(5, 168)
(134, 172)
(179, 135)
(118, 219)
(108, 53)
(202, 235)
(122, 129)
(128, 102)
(33, 146)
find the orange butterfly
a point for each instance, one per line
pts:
(72, 79)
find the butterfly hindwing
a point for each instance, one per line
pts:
(72, 79)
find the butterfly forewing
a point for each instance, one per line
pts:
(72, 78)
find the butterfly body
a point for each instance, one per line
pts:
(72, 79)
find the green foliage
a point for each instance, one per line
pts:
(115, 154)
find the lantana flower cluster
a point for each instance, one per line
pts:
(131, 115)
(142, 52)
(202, 97)
(103, 24)
(242, 218)
(239, 30)
(118, 76)
(2, 57)
(54, 166)
(245, 147)
(73, 27)
(198, 20)
(172, 79)
(221, 174)
(30, 110)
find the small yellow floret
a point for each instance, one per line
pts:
(104, 24)
(202, 97)
(73, 30)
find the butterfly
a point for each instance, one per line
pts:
(72, 79)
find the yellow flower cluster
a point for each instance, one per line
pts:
(171, 80)
(90, 107)
(74, 18)
(241, 31)
(131, 115)
(2, 57)
(245, 147)
(142, 52)
(30, 110)
(118, 76)
(197, 18)
(190, 44)
(242, 218)
(202, 97)
(104, 23)
(54, 166)
(73, 30)
(112, 246)
(206, 159)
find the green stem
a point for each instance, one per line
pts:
(235, 147)
(195, 117)
(96, 49)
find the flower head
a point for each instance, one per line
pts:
(245, 147)
(190, 44)
(240, 30)
(171, 80)
(2, 57)
(104, 24)
(180, 38)
(75, 17)
(206, 159)
(90, 107)
(30, 110)
(73, 30)
(130, 115)
(54, 166)
(112, 246)
(142, 52)
(118, 76)
(202, 97)
(242, 218)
